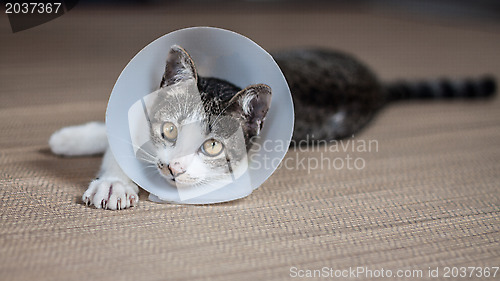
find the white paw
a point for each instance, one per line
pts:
(111, 193)
(79, 140)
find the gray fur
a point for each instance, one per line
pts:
(334, 94)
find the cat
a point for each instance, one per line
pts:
(335, 95)
(200, 127)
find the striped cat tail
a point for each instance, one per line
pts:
(442, 89)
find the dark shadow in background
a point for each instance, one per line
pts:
(478, 9)
(25, 14)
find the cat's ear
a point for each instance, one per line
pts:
(180, 67)
(250, 106)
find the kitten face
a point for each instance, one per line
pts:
(192, 146)
(198, 138)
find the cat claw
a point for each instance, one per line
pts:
(133, 200)
(104, 204)
(111, 194)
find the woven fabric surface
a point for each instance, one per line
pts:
(427, 196)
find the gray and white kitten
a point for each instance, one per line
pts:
(334, 96)
(200, 128)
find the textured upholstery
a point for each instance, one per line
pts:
(428, 197)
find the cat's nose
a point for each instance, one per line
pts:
(176, 169)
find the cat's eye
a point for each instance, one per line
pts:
(169, 131)
(212, 147)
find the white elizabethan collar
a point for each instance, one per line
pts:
(217, 53)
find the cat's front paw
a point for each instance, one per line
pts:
(111, 193)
